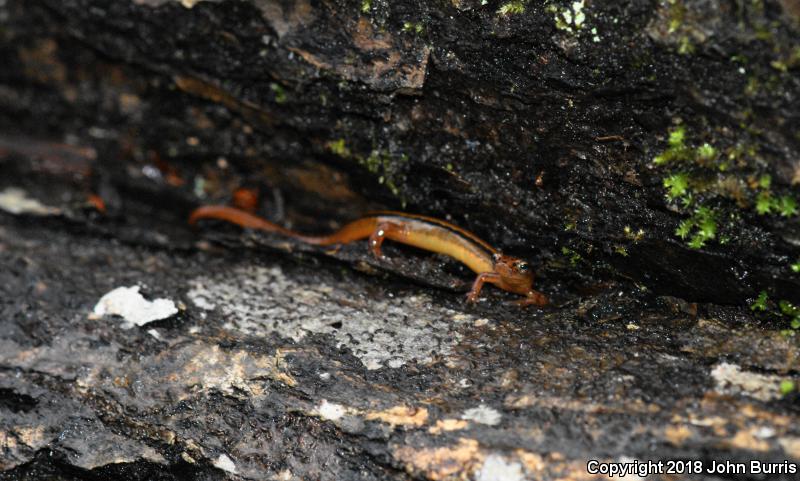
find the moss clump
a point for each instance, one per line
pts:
(786, 387)
(387, 167)
(514, 7)
(677, 185)
(339, 148)
(795, 267)
(784, 311)
(679, 151)
(413, 27)
(382, 163)
(793, 312)
(685, 45)
(700, 228)
(697, 177)
(764, 203)
(631, 235)
(677, 13)
(767, 203)
(787, 206)
(366, 6)
(279, 91)
(760, 304)
(570, 18)
(706, 153)
(574, 257)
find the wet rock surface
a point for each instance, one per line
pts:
(655, 141)
(283, 367)
(642, 155)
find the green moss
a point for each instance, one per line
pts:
(514, 7)
(571, 18)
(631, 235)
(574, 257)
(764, 33)
(786, 387)
(366, 6)
(677, 151)
(791, 311)
(786, 311)
(413, 27)
(684, 229)
(339, 148)
(753, 86)
(740, 153)
(387, 167)
(698, 229)
(787, 206)
(779, 65)
(765, 203)
(677, 138)
(760, 304)
(685, 45)
(280, 93)
(677, 185)
(677, 13)
(795, 267)
(706, 152)
(694, 181)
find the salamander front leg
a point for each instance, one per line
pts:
(381, 232)
(533, 297)
(478, 284)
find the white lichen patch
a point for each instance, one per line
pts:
(16, 201)
(483, 415)
(129, 304)
(498, 468)
(380, 330)
(225, 463)
(331, 411)
(730, 379)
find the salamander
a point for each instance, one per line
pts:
(493, 267)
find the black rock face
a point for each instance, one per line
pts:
(642, 155)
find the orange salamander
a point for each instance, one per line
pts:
(506, 272)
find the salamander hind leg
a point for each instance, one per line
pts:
(381, 232)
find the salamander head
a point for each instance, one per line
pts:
(515, 274)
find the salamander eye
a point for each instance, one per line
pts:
(523, 266)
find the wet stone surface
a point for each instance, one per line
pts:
(279, 367)
(650, 142)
